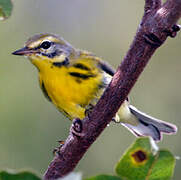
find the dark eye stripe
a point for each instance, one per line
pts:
(81, 66)
(50, 55)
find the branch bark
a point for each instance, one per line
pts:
(157, 24)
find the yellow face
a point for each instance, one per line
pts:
(46, 47)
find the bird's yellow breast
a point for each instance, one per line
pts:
(70, 93)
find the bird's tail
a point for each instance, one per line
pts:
(148, 126)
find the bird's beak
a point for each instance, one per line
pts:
(24, 51)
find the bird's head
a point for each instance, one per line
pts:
(46, 47)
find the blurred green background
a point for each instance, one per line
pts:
(30, 126)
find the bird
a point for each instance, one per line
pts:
(74, 80)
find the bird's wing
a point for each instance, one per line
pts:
(107, 68)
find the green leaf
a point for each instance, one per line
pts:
(24, 175)
(104, 177)
(164, 166)
(144, 161)
(5, 9)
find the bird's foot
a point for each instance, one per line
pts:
(89, 109)
(56, 150)
(77, 127)
(173, 31)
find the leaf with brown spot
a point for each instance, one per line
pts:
(144, 161)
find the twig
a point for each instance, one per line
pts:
(157, 24)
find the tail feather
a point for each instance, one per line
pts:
(149, 126)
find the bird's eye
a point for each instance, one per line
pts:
(45, 44)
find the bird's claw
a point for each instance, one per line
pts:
(77, 127)
(89, 109)
(173, 31)
(56, 150)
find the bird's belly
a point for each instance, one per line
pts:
(71, 95)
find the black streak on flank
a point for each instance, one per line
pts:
(81, 76)
(78, 81)
(65, 113)
(81, 66)
(63, 63)
(45, 92)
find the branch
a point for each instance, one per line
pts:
(151, 5)
(157, 24)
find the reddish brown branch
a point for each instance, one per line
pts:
(152, 5)
(155, 27)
